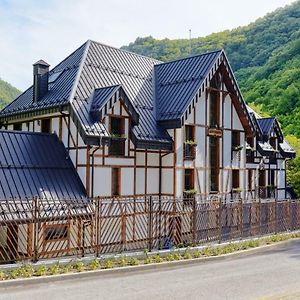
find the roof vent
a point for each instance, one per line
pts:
(40, 80)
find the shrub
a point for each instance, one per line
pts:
(157, 259)
(13, 274)
(41, 271)
(170, 257)
(26, 271)
(147, 260)
(78, 266)
(2, 275)
(176, 256)
(54, 269)
(108, 264)
(187, 255)
(65, 269)
(133, 261)
(94, 264)
(122, 261)
(196, 254)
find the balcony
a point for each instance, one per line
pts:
(267, 192)
(189, 150)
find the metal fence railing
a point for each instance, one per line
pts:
(33, 229)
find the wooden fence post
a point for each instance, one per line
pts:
(194, 220)
(97, 220)
(35, 229)
(220, 220)
(150, 222)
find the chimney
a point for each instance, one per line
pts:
(40, 80)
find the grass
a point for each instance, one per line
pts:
(28, 270)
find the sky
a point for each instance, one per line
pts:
(50, 30)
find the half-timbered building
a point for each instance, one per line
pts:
(135, 126)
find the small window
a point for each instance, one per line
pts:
(214, 164)
(46, 125)
(116, 181)
(272, 178)
(236, 139)
(235, 179)
(273, 142)
(56, 233)
(17, 126)
(117, 146)
(250, 178)
(189, 179)
(189, 133)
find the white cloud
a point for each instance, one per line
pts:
(31, 29)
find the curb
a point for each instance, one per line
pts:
(134, 269)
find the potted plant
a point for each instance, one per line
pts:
(237, 148)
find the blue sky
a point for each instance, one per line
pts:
(31, 29)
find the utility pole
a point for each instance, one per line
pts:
(190, 36)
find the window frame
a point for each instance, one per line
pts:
(117, 141)
(118, 183)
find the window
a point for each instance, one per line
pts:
(236, 139)
(17, 126)
(273, 142)
(46, 125)
(235, 179)
(116, 181)
(117, 146)
(250, 178)
(188, 179)
(189, 133)
(214, 108)
(215, 101)
(56, 232)
(189, 144)
(214, 163)
(272, 178)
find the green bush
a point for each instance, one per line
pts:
(108, 264)
(78, 266)
(133, 261)
(122, 261)
(157, 259)
(94, 264)
(41, 271)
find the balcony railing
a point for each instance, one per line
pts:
(267, 192)
(189, 151)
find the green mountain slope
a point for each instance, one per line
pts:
(265, 56)
(7, 93)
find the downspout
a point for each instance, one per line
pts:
(93, 166)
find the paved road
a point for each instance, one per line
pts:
(272, 274)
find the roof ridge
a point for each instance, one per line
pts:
(80, 68)
(190, 57)
(123, 50)
(67, 57)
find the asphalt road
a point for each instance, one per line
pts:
(270, 274)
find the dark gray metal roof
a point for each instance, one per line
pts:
(104, 98)
(36, 165)
(106, 66)
(177, 82)
(95, 68)
(59, 91)
(267, 125)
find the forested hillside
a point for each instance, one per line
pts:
(7, 93)
(265, 56)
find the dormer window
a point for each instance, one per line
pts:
(117, 131)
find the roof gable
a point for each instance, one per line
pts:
(268, 125)
(106, 97)
(107, 66)
(36, 165)
(177, 82)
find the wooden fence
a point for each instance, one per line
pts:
(35, 229)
